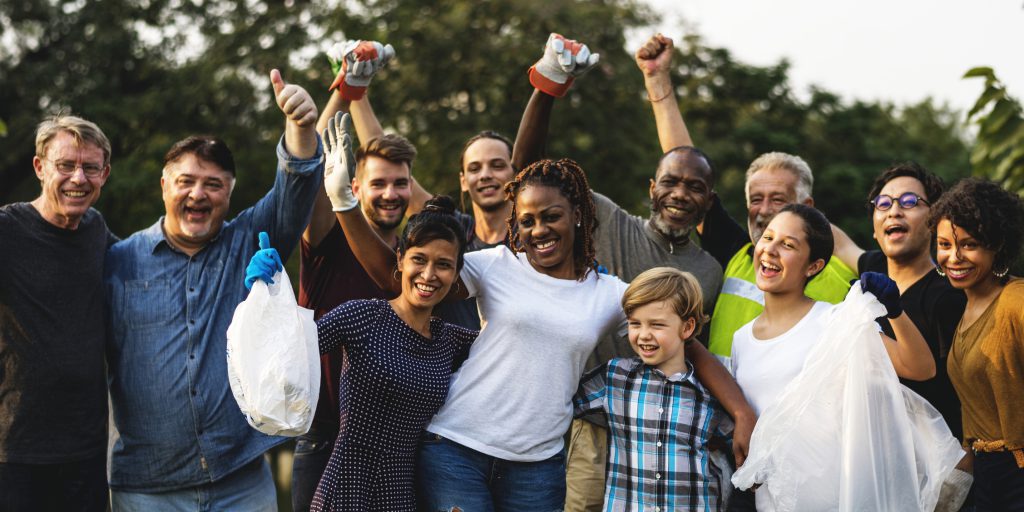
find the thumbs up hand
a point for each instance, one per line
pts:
(294, 101)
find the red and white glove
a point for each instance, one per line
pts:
(563, 60)
(354, 64)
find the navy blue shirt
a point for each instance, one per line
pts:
(178, 423)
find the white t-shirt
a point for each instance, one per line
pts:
(512, 398)
(763, 368)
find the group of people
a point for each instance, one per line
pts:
(477, 360)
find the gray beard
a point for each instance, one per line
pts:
(673, 234)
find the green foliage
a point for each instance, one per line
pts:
(998, 152)
(150, 72)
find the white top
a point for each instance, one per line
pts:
(763, 368)
(512, 398)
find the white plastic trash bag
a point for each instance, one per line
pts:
(274, 359)
(845, 434)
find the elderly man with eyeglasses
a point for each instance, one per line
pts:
(53, 394)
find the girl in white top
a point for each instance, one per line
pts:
(770, 351)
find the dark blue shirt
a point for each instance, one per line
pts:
(177, 421)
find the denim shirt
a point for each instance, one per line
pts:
(178, 424)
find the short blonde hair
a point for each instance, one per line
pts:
(680, 289)
(81, 129)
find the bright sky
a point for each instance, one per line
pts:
(894, 50)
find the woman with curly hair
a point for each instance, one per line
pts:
(496, 444)
(978, 229)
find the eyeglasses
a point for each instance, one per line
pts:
(68, 168)
(906, 200)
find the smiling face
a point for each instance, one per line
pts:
(546, 224)
(658, 335)
(782, 256)
(680, 193)
(196, 196)
(66, 198)
(768, 191)
(902, 234)
(487, 167)
(383, 188)
(966, 262)
(428, 272)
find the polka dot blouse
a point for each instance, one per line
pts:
(395, 382)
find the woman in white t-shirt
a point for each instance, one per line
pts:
(769, 352)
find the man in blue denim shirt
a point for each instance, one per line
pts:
(182, 442)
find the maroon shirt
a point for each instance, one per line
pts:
(329, 275)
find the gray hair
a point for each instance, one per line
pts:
(791, 163)
(81, 129)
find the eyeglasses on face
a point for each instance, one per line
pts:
(906, 200)
(68, 168)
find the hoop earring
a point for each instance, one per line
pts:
(938, 270)
(578, 223)
(457, 287)
(395, 274)
(1003, 272)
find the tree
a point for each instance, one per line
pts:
(998, 151)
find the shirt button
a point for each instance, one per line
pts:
(193, 392)
(660, 409)
(659, 443)
(191, 289)
(193, 321)
(191, 356)
(657, 476)
(657, 509)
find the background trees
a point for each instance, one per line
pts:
(152, 71)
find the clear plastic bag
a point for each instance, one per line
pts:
(274, 359)
(845, 434)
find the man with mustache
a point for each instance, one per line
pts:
(53, 403)
(627, 245)
(181, 442)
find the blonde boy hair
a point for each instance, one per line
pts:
(680, 289)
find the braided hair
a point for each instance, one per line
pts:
(570, 180)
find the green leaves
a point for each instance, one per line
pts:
(998, 152)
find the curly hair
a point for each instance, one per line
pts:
(932, 184)
(570, 180)
(990, 214)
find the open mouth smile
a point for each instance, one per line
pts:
(769, 269)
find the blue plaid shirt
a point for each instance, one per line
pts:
(178, 424)
(660, 428)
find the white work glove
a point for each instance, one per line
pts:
(563, 60)
(354, 63)
(339, 162)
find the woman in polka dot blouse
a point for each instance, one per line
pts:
(399, 363)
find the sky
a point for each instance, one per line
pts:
(900, 51)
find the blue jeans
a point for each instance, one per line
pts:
(450, 475)
(312, 451)
(250, 488)
(64, 486)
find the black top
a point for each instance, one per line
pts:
(935, 307)
(722, 236)
(53, 388)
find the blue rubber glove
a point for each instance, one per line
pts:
(884, 289)
(264, 264)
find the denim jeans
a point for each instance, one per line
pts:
(449, 475)
(312, 451)
(250, 488)
(65, 486)
(998, 482)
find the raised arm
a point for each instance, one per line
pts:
(552, 75)
(846, 249)
(300, 117)
(713, 375)
(366, 124)
(909, 352)
(654, 59)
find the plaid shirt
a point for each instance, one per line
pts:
(660, 427)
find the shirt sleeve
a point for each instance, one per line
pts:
(590, 396)
(347, 324)
(949, 307)
(475, 266)
(285, 211)
(722, 236)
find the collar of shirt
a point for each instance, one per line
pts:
(637, 365)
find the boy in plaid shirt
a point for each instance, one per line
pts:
(660, 417)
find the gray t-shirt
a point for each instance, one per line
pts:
(627, 245)
(53, 387)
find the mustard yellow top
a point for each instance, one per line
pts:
(986, 366)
